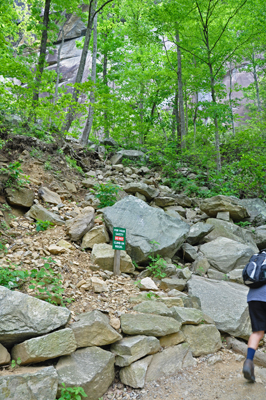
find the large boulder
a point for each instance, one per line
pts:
(146, 225)
(256, 209)
(230, 231)
(103, 255)
(259, 236)
(22, 197)
(134, 375)
(130, 154)
(81, 224)
(93, 329)
(98, 234)
(148, 324)
(226, 254)
(91, 368)
(38, 212)
(139, 187)
(4, 355)
(202, 339)
(169, 362)
(225, 303)
(222, 203)
(56, 344)
(38, 385)
(23, 317)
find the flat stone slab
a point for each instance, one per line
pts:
(134, 375)
(38, 212)
(103, 255)
(48, 196)
(93, 329)
(148, 191)
(221, 203)
(153, 307)
(148, 324)
(187, 316)
(81, 224)
(91, 368)
(173, 283)
(197, 232)
(23, 317)
(169, 362)
(39, 385)
(46, 347)
(21, 197)
(133, 348)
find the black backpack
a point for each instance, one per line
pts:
(254, 273)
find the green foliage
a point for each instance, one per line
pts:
(12, 278)
(157, 264)
(47, 166)
(15, 363)
(15, 175)
(72, 393)
(151, 296)
(73, 164)
(43, 225)
(106, 193)
(3, 248)
(243, 224)
(48, 284)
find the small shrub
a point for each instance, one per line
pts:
(106, 193)
(12, 279)
(73, 164)
(157, 264)
(243, 223)
(15, 363)
(15, 175)
(72, 393)
(43, 225)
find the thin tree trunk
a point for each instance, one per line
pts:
(216, 124)
(180, 94)
(256, 81)
(88, 126)
(186, 103)
(105, 81)
(176, 108)
(58, 62)
(230, 100)
(195, 116)
(41, 61)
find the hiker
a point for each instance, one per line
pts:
(257, 311)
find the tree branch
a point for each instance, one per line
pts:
(100, 8)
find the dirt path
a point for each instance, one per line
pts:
(223, 381)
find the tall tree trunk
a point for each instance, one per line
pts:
(216, 124)
(230, 100)
(58, 62)
(195, 116)
(176, 110)
(41, 61)
(141, 112)
(255, 75)
(105, 81)
(180, 94)
(88, 126)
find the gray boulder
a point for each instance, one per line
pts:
(23, 317)
(198, 231)
(225, 303)
(221, 203)
(38, 385)
(226, 254)
(169, 362)
(81, 224)
(22, 197)
(38, 212)
(96, 235)
(256, 209)
(91, 368)
(131, 349)
(103, 255)
(202, 339)
(173, 283)
(259, 236)
(139, 187)
(164, 201)
(46, 347)
(93, 329)
(187, 316)
(230, 231)
(4, 355)
(48, 196)
(148, 324)
(134, 375)
(145, 224)
(153, 307)
(130, 154)
(190, 253)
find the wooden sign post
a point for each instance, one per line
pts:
(119, 243)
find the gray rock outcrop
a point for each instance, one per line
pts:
(202, 339)
(256, 209)
(23, 317)
(91, 368)
(198, 232)
(145, 224)
(146, 190)
(225, 303)
(38, 385)
(222, 203)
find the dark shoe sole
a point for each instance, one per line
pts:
(247, 375)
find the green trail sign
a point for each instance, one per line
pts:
(119, 239)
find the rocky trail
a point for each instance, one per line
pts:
(87, 280)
